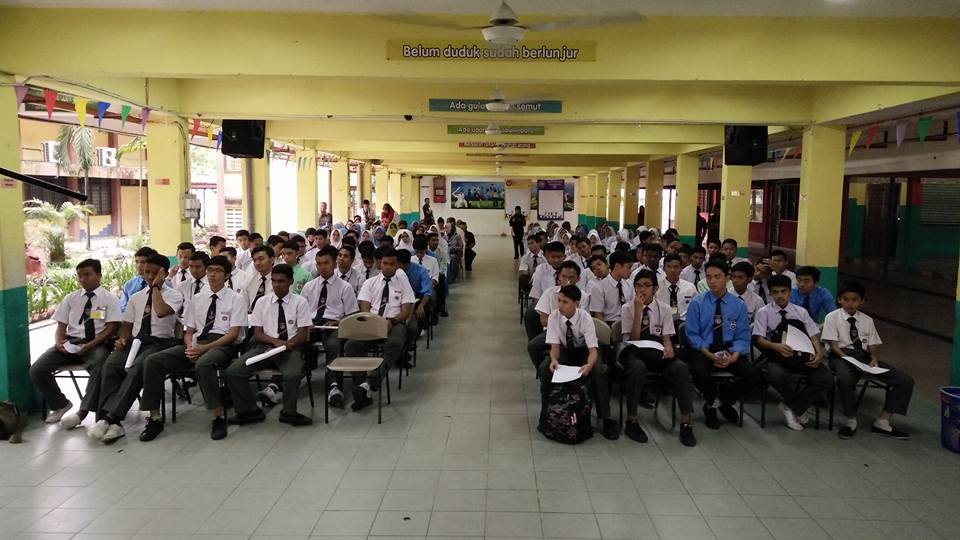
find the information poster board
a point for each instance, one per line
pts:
(550, 199)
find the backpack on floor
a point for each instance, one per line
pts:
(565, 416)
(12, 422)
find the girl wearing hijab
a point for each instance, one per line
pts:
(582, 231)
(377, 236)
(392, 229)
(387, 215)
(365, 236)
(404, 240)
(336, 236)
(455, 245)
(594, 238)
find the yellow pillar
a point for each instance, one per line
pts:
(14, 333)
(613, 198)
(600, 203)
(393, 195)
(366, 182)
(256, 194)
(167, 178)
(583, 201)
(653, 200)
(735, 205)
(688, 181)
(409, 198)
(631, 196)
(340, 191)
(307, 204)
(821, 201)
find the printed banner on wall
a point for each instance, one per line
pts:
(569, 196)
(481, 51)
(550, 199)
(477, 195)
(480, 106)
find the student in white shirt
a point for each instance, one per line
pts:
(86, 320)
(655, 323)
(437, 247)
(758, 284)
(282, 319)
(197, 279)
(259, 283)
(650, 254)
(151, 319)
(851, 332)
(424, 259)
(330, 299)
(740, 277)
(345, 269)
(529, 261)
(215, 323)
(237, 280)
(599, 268)
(390, 296)
(694, 271)
(784, 365)
(778, 266)
(729, 250)
(610, 294)
(368, 260)
(581, 256)
(569, 275)
(544, 277)
(243, 250)
(572, 338)
(673, 291)
(180, 273)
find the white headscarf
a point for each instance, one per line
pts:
(625, 235)
(408, 245)
(338, 231)
(594, 237)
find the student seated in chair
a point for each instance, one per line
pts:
(569, 275)
(740, 276)
(693, 272)
(655, 323)
(151, 317)
(608, 295)
(215, 322)
(784, 365)
(137, 283)
(852, 333)
(719, 336)
(290, 254)
(810, 295)
(545, 277)
(280, 320)
(419, 279)
(237, 280)
(86, 320)
(673, 291)
(729, 250)
(345, 270)
(529, 261)
(180, 273)
(259, 283)
(197, 278)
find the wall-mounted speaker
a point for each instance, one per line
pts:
(744, 145)
(243, 138)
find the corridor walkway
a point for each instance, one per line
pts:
(458, 455)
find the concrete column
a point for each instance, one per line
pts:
(688, 179)
(366, 182)
(583, 201)
(307, 203)
(653, 204)
(821, 200)
(14, 333)
(393, 196)
(256, 194)
(600, 203)
(409, 198)
(631, 196)
(340, 191)
(168, 178)
(613, 199)
(735, 205)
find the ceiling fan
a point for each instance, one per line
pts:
(505, 29)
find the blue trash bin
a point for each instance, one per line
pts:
(950, 418)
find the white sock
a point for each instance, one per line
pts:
(882, 423)
(852, 423)
(366, 387)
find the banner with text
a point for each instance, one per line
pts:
(478, 129)
(481, 51)
(480, 106)
(550, 199)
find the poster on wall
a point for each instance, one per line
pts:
(569, 196)
(550, 199)
(477, 195)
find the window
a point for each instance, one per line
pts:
(941, 198)
(101, 196)
(756, 205)
(789, 201)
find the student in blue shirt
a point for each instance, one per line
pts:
(419, 278)
(718, 333)
(136, 283)
(810, 295)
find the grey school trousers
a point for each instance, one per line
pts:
(638, 362)
(41, 373)
(174, 360)
(120, 387)
(290, 364)
(898, 395)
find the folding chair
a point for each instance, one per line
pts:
(801, 382)
(654, 377)
(362, 327)
(68, 371)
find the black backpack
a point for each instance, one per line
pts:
(565, 417)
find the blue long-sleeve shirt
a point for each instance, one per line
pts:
(419, 280)
(820, 303)
(736, 327)
(131, 288)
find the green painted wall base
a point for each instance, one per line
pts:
(15, 348)
(688, 239)
(631, 227)
(614, 224)
(743, 251)
(410, 217)
(582, 220)
(828, 278)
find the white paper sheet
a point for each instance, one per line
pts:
(326, 327)
(132, 355)
(263, 356)
(646, 344)
(71, 348)
(798, 341)
(565, 374)
(866, 368)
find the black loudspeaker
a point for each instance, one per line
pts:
(243, 138)
(744, 145)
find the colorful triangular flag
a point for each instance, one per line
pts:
(871, 133)
(901, 132)
(854, 139)
(786, 153)
(144, 116)
(20, 91)
(923, 127)
(124, 113)
(209, 134)
(196, 128)
(80, 106)
(219, 138)
(49, 99)
(102, 107)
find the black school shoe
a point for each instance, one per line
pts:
(686, 435)
(247, 417)
(710, 417)
(295, 419)
(218, 428)
(153, 428)
(611, 429)
(892, 434)
(635, 432)
(361, 400)
(730, 414)
(846, 432)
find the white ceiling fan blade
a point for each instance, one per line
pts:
(609, 19)
(425, 20)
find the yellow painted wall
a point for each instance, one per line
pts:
(129, 200)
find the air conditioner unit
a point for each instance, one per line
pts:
(107, 157)
(49, 149)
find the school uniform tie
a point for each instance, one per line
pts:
(368, 274)
(89, 327)
(183, 275)
(584, 262)
(645, 322)
(718, 327)
(782, 327)
(536, 261)
(761, 292)
(343, 277)
(620, 296)
(322, 305)
(211, 317)
(281, 322)
(569, 335)
(696, 277)
(230, 282)
(146, 320)
(673, 295)
(385, 297)
(261, 290)
(556, 278)
(197, 286)
(854, 334)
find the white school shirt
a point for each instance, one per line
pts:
(527, 265)
(161, 328)
(309, 257)
(789, 274)
(754, 286)
(180, 275)
(544, 278)
(661, 322)
(238, 281)
(351, 276)
(341, 298)
(584, 331)
(753, 302)
(104, 308)
(690, 274)
(400, 293)
(373, 272)
(253, 285)
(244, 260)
(582, 262)
(548, 302)
(187, 287)
(428, 262)
(231, 312)
(636, 270)
(768, 319)
(837, 328)
(605, 299)
(295, 310)
(685, 294)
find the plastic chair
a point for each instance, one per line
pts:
(361, 327)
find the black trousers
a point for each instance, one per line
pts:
(899, 392)
(783, 376)
(531, 322)
(517, 246)
(702, 369)
(638, 362)
(468, 259)
(597, 379)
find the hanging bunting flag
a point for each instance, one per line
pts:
(871, 133)
(786, 153)
(923, 127)
(102, 107)
(124, 113)
(854, 139)
(210, 134)
(50, 99)
(144, 116)
(80, 106)
(901, 133)
(196, 128)
(21, 92)
(219, 138)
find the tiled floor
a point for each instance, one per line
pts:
(458, 455)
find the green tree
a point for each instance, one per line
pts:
(76, 154)
(54, 222)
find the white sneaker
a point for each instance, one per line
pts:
(70, 421)
(791, 418)
(55, 416)
(98, 430)
(114, 432)
(804, 418)
(269, 395)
